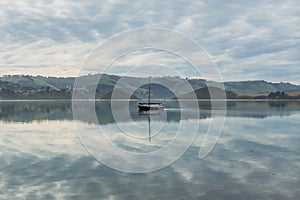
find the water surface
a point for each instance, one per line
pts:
(256, 157)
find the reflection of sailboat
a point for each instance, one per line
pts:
(149, 124)
(149, 106)
(150, 114)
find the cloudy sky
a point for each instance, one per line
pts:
(247, 40)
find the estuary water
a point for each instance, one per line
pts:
(257, 156)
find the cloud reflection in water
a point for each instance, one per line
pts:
(255, 158)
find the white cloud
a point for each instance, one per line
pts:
(44, 57)
(237, 34)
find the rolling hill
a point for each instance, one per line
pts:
(40, 87)
(204, 93)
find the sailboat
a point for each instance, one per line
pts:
(148, 106)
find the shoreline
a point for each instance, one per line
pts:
(132, 100)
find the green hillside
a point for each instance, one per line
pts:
(259, 87)
(40, 87)
(205, 93)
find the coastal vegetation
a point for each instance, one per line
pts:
(14, 87)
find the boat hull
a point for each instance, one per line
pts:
(151, 106)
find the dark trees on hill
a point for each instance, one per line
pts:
(278, 95)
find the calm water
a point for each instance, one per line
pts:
(256, 157)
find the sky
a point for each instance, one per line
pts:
(247, 40)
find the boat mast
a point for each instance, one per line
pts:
(149, 91)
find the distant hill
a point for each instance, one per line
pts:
(8, 90)
(259, 87)
(204, 93)
(39, 82)
(40, 87)
(157, 92)
(119, 94)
